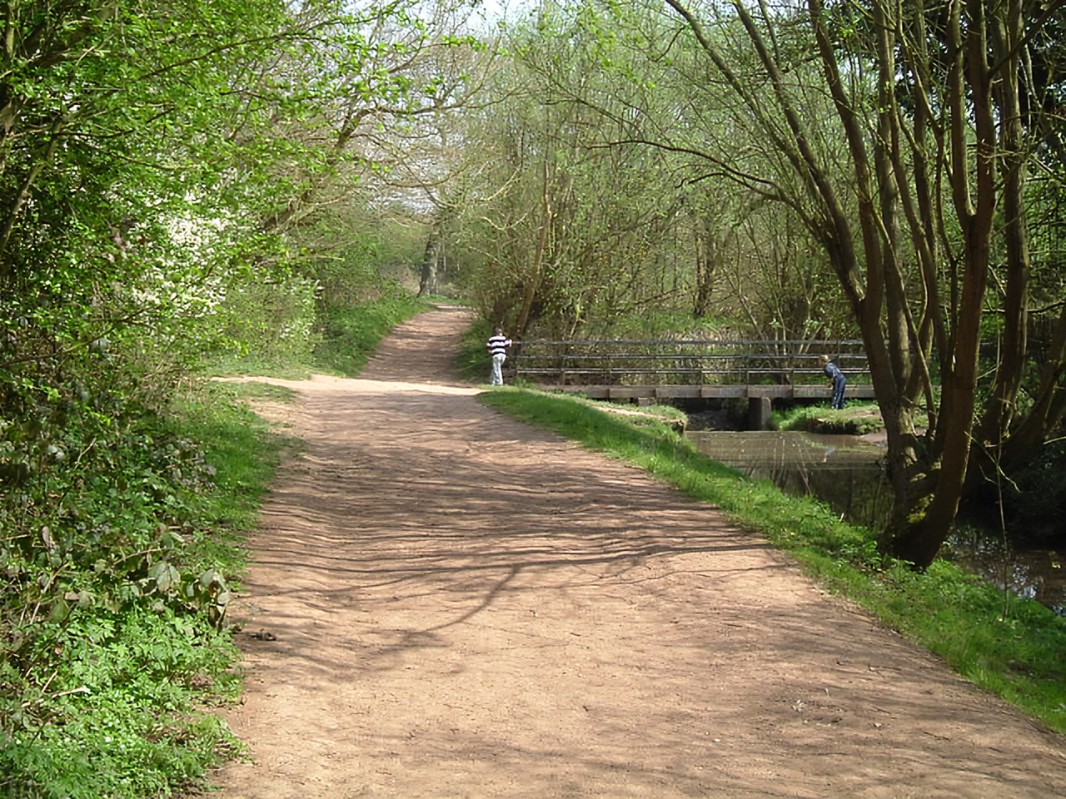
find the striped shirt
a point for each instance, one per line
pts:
(498, 345)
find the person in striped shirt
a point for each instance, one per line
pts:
(498, 344)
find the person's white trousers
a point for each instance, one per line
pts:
(497, 369)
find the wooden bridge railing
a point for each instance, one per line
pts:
(622, 362)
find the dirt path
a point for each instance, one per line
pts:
(447, 603)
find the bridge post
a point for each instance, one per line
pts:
(759, 413)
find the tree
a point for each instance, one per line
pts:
(584, 233)
(146, 163)
(367, 101)
(934, 142)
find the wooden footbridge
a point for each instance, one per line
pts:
(639, 370)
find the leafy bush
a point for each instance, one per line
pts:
(473, 357)
(265, 327)
(114, 583)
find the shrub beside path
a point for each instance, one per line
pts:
(444, 602)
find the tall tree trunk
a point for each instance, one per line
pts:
(431, 261)
(970, 83)
(707, 257)
(1000, 413)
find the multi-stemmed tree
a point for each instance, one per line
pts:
(920, 210)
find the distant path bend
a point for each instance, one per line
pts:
(444, 602)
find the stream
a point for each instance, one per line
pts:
(845, 472)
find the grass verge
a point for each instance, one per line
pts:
(1009, 645)
(351, 335)
(345, 338)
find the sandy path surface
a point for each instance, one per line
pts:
(447, 603)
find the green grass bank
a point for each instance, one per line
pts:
(1009, 645)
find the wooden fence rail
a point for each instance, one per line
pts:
(678, 362)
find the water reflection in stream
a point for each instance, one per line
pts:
(846, 472)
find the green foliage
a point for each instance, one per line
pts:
(117, 564)
(121, 708)
(134, 202)
(1009, 645)
(356, 252)
(474, 362)
(351, 335)
(265, 327)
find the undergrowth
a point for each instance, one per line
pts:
(342, 341)
(350, 335)
(119, 543)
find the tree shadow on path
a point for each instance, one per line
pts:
(454, 604)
